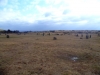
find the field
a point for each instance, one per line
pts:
(33, 54)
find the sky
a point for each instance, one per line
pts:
(50, 14)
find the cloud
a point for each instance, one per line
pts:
(84, 7)
(3, 2)
(8, 14)
(65, 12)
(51, 13)
(47, 14)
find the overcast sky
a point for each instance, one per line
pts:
(50, 14)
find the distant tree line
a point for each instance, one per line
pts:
(9, 31)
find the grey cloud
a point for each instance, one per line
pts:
(47, 14)
(74, 19)
(40, 25)
(66, 11)
(82, 18)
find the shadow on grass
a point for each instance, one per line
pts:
(3, 71)
(96, 69)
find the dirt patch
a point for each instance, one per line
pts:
(68, 56)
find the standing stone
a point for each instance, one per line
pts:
(49, 34)
(87, 37)
(7, 36)
(37, 33)
(81, 35)
(77, 35)
(54, 38)
(43, 34)
(90, 36)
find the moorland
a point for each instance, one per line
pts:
(38, 53)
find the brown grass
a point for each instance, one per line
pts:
(33, 54)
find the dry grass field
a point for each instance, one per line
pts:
(33, 54)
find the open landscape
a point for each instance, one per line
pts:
(50, 53)
(49, 37)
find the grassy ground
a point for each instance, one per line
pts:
(33, 54)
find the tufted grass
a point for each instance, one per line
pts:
(33, 54)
